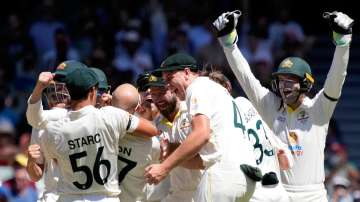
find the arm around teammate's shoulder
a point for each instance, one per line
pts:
(123, 122)
(146, 128)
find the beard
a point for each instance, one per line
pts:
(170, 108)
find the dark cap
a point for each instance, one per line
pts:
(178, 61)
(155, 82)
(147, 80)
(65, 68)
(103, 84)
(80, 80)
(142, 81)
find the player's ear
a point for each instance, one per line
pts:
(92, 93)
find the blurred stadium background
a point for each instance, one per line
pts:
(125, 38)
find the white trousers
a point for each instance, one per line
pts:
(270, 193)
(307, 193)
(225, 186)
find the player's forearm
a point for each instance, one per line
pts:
(146, 129)
(188, 149)
(34, 170)
(194, 163)
(35, 113)
(337, 73)
(36, 94)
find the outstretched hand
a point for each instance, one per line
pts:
(226, 22)
(339, 22)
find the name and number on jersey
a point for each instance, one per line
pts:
(93, 172)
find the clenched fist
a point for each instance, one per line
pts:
(35, 154)
(44, 80)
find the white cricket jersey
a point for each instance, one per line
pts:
(155, 193)
(35, 114)
(135, 154)
(51, 170)
(258, 132)
(37, 117)
(134, 157)
(204, 96)
(182, 179)
(86, 147)
(266, 145)
(304, 129)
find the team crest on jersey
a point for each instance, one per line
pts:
(302, 116)
(185, 126)
(294, 146)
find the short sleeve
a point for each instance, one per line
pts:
(199, 102)
(132, 124)
(119, 120)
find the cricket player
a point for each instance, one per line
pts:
(57, 98)
(103, 92)
(149, 110)
(299, 121)
(36, 116)
(270, 152)
(183, 181)
(85, 143)
(135, 153)
(214, 136)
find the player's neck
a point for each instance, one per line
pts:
(77, 105)
(298, 102)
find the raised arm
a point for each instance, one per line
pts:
(35, 113)
(340, 25)
(257, 94)
(341, 28)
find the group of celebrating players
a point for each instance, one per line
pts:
(179, 135)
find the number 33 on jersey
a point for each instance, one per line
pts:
(255, 129)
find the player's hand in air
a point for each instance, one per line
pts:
(225, 26)
(341, 26)
(44, 80)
